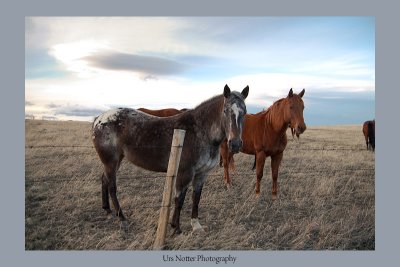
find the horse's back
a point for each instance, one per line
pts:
(161, 112)
(143, 139)
(257, 137)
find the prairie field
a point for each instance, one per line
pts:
(326, 197)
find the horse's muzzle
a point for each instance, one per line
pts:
(235, 145)
(300, 129)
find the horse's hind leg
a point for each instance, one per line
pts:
(254, 164)
(275, 162)
(111, 176)
(104, 194)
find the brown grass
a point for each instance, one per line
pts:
(326, 197)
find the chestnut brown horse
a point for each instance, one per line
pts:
(231, 159)
(167, 112)
(369, 134)
(145, 141)
(264, 135)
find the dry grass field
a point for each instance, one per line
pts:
(326, 197)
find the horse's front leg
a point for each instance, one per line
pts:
(224, 151)
(275, 162)
(197, 188)
(179, 199)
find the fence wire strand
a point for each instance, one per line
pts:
(235, 173)
(168, 147)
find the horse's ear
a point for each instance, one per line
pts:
(227, 91)
(302, 92)
(245, 92)
(290, 92)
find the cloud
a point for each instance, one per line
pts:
(53, 106)
(145, 64)
(181, 61)
(78, 111)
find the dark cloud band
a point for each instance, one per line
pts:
(78, 111)
(145, 64)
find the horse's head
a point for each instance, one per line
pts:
(294, 112)
(233, 117)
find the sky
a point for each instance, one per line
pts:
(79, 67)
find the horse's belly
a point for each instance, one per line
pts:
(147, 159)
(248, 150)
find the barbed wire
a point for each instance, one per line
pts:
(58, 146)
(237, 172)
(168, 147)
(233, 173)
(244, 201)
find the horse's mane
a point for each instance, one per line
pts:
(216, 98)
(269, 111)
(209, 101)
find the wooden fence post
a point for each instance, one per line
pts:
(173, 165)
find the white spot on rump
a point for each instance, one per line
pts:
(108, 116)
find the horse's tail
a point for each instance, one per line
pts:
(371, 134)
(95, 118)
(254, 164)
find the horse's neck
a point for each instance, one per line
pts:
(209, 116)
(275, 121)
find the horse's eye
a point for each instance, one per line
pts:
(291, 107)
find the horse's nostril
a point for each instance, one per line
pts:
(301, 128)
(235, 145)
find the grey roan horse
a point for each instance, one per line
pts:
(145, 141)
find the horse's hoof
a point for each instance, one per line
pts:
(107, 210)
(109, 213)
(176, 232)
(274, 197)
(200, 231)
(197, 228)
(228, 186)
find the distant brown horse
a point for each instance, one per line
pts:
(145, 141)
(167, 112)
(369, 134)
(264, 135)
